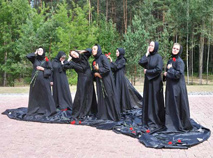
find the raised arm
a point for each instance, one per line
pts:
(115, 66)
(31, 57)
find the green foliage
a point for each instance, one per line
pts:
(135, 44)
(107, 37)
(74, 30)
(64, 25)
(13, 15)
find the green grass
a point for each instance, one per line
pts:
(20, 87)
(25, 89)
(190, 88)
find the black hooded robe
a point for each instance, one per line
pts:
(108, 107)
(153, 116)
(61, 90)
(40, 99)
(118, 68)
(176, 100)
(85, 101)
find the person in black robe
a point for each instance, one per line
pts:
(118, 68)
(41, 101)
(153, 116)
(85, 100)
(108, 107)
(176, 100)
(61, 90)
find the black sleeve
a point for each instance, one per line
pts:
(85, 65)
(153, 73)
(105, 69)
(65, 67)
(51, 77)
(31, 57)
(117, 66)
(143, 61)
(48, 69)
(73, 65)
(175, 73)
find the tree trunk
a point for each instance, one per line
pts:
(90, 12)
(191, 55)
(5, 74)
(113, 15)
(187, 58)
(98, 4)
(107, 7)
(201, 56)
(207, 62)
(124, 16)
(187, 43)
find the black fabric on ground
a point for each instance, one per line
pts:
(130, 124)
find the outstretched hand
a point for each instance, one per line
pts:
(82, 51)
(108, 56)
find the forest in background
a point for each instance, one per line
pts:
(63, 25)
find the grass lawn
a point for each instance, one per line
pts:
(25, 89)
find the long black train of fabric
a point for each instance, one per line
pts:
(130, 124)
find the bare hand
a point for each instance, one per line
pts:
(147, 52)
(144, 71)
(97, 75)
(165, 73)
(70, 58)
(109, 58)
(169, 66)
(36, 52)
(40, 68)
(51, 83)
(96, 67)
